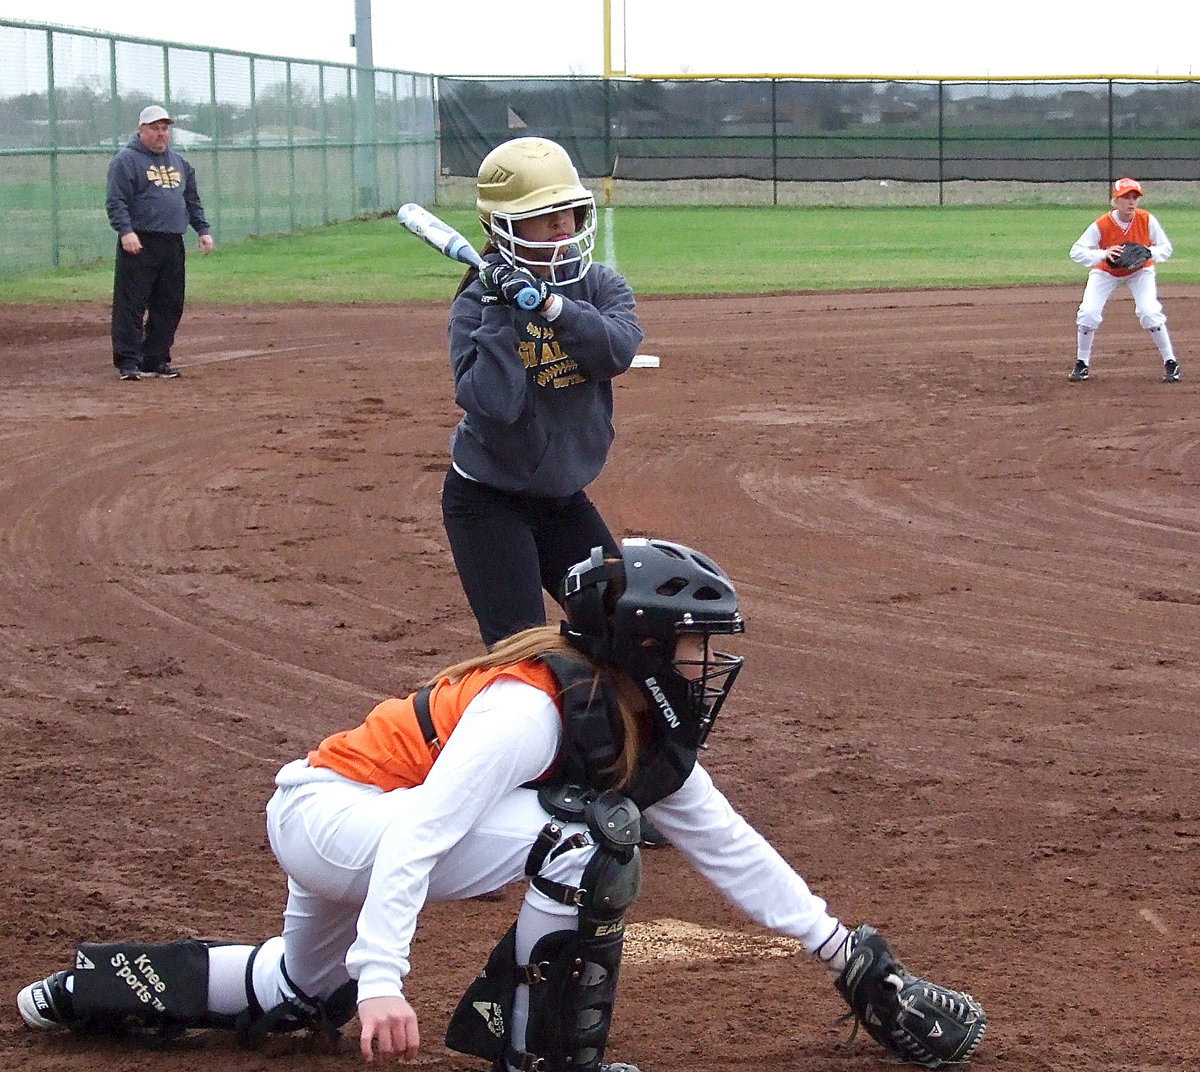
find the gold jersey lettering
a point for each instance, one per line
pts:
(561, 373)
(541, 352)
(161, 175)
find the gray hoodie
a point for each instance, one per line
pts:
(153, 192)
(538, 396)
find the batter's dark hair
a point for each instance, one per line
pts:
(471, 274)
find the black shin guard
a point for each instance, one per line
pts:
(481, 1022)
(161, 985)
(572, 988)
(573, 975)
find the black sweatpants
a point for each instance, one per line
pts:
(147, 304)
(508, 547)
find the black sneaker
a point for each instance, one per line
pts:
(1079, 373)
(129, 372)
(163, 372)
(1171, 371)
(652, 837)
(47, 1004)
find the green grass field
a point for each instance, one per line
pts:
(662, 251)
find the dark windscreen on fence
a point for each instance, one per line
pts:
(809, 130)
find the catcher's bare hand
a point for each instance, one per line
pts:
(390, 1025)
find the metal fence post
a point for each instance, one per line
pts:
(941, 98)
(118, 122)
(254, 176)
(216, 141)
(1111, 136)
(52, 141)
(774, 141)
(324, 145)
(364, 107)
(291, 144)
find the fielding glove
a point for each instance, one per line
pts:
(914, 1020)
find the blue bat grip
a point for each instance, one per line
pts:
(529, 297)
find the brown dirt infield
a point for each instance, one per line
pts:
(969, 713)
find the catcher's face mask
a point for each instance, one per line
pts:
(707, 677)
(652, 613)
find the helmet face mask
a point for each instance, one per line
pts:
(529, 177)
(562, 261)
(708, 685)
(632, 613)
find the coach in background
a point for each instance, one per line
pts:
(152, 198)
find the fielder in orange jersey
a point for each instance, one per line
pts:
(1100, 248)
(533, 760)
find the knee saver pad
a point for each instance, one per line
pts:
(161, 985)
(481, 1023)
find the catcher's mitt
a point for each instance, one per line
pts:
(912, 1019)
(1133, 255)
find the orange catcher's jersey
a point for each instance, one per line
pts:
(388, 749)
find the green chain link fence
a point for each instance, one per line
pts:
(282, 144)
(278, 144)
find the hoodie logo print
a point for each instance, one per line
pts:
(166, 177)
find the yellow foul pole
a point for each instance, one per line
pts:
(614, 59)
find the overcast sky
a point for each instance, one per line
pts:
(868, 37)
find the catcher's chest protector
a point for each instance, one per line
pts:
(592, 739)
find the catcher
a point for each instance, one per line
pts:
(1121, 249)
(532, 760)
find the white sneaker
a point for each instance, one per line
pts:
(47, 1004)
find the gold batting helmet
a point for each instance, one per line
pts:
(529, 177)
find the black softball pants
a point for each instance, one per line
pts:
(509, 547)
(148, 289)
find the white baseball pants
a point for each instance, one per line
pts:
(1102, 285)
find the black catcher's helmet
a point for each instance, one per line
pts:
(631, 612)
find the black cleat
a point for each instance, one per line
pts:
(1079, 373)
(652, 837)
(1171, 371)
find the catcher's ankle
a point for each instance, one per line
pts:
(835, 950)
